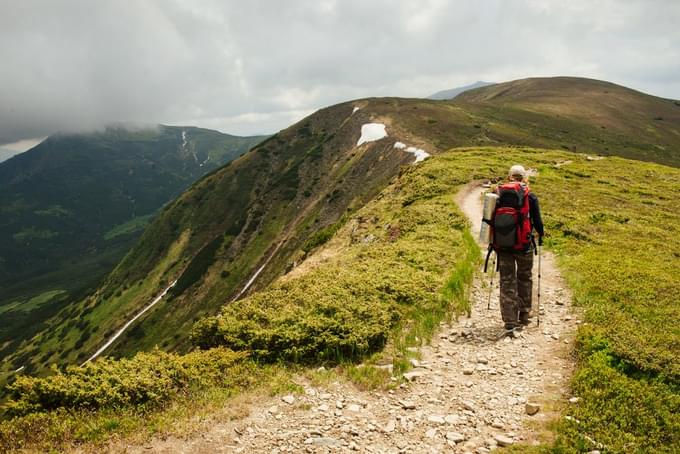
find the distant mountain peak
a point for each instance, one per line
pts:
(453, 92)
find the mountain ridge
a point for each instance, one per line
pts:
(398, 271)
(290, 193)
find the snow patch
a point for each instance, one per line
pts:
(370, 132)
(185, 145)
(419, 153)
(127, 325)
(355, 110)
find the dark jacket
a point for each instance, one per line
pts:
(535, 214)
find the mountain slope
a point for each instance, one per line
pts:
(258, 217)
(395, 270)
(74, 204)
(577, 114)
(219, 232)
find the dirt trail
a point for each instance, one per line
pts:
(467, 393)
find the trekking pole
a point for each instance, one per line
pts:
(493, 271)
(538, 316)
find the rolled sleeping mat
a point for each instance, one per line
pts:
(490, 200)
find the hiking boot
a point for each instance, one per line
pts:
(524, 318)
(510, 326)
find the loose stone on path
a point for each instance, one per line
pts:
(531, 408)
(502, 440)
(466, 392)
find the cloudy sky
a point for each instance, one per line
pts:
(256, 66)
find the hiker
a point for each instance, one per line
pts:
(515, 246)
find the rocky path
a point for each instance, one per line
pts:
(468, 392)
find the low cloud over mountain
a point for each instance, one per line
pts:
(254, 67)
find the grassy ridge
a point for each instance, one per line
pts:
(402, 262)
(399, 253)
(578, 114)
(295, 188)
(613, 223)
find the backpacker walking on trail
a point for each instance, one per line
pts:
(514, 218)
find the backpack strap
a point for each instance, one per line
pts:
(488, 254)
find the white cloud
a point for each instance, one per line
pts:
(249, 123)
(255, 66)
(23, 145)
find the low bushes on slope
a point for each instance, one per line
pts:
(405, 263)
(401, 250)
(145, 393)
(146, 379)
(301, 322)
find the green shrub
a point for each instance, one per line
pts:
(621, 412)
(301, 322)
(146, 379)
(323, 235)
(351, 306)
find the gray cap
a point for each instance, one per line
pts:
(517, 171)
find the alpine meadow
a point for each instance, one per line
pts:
(311, 251)
(303, 227)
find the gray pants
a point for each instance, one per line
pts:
(516, 283)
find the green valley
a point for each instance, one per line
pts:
(73, 205)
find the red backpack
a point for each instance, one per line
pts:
(510, 225)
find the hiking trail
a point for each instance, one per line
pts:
(468, 392)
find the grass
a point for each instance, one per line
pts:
(407, 256)
(394, 279)
(31, 304)
(391, 291)
(133, 225)
(612, 223)
(368, 377)
(82, 335)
